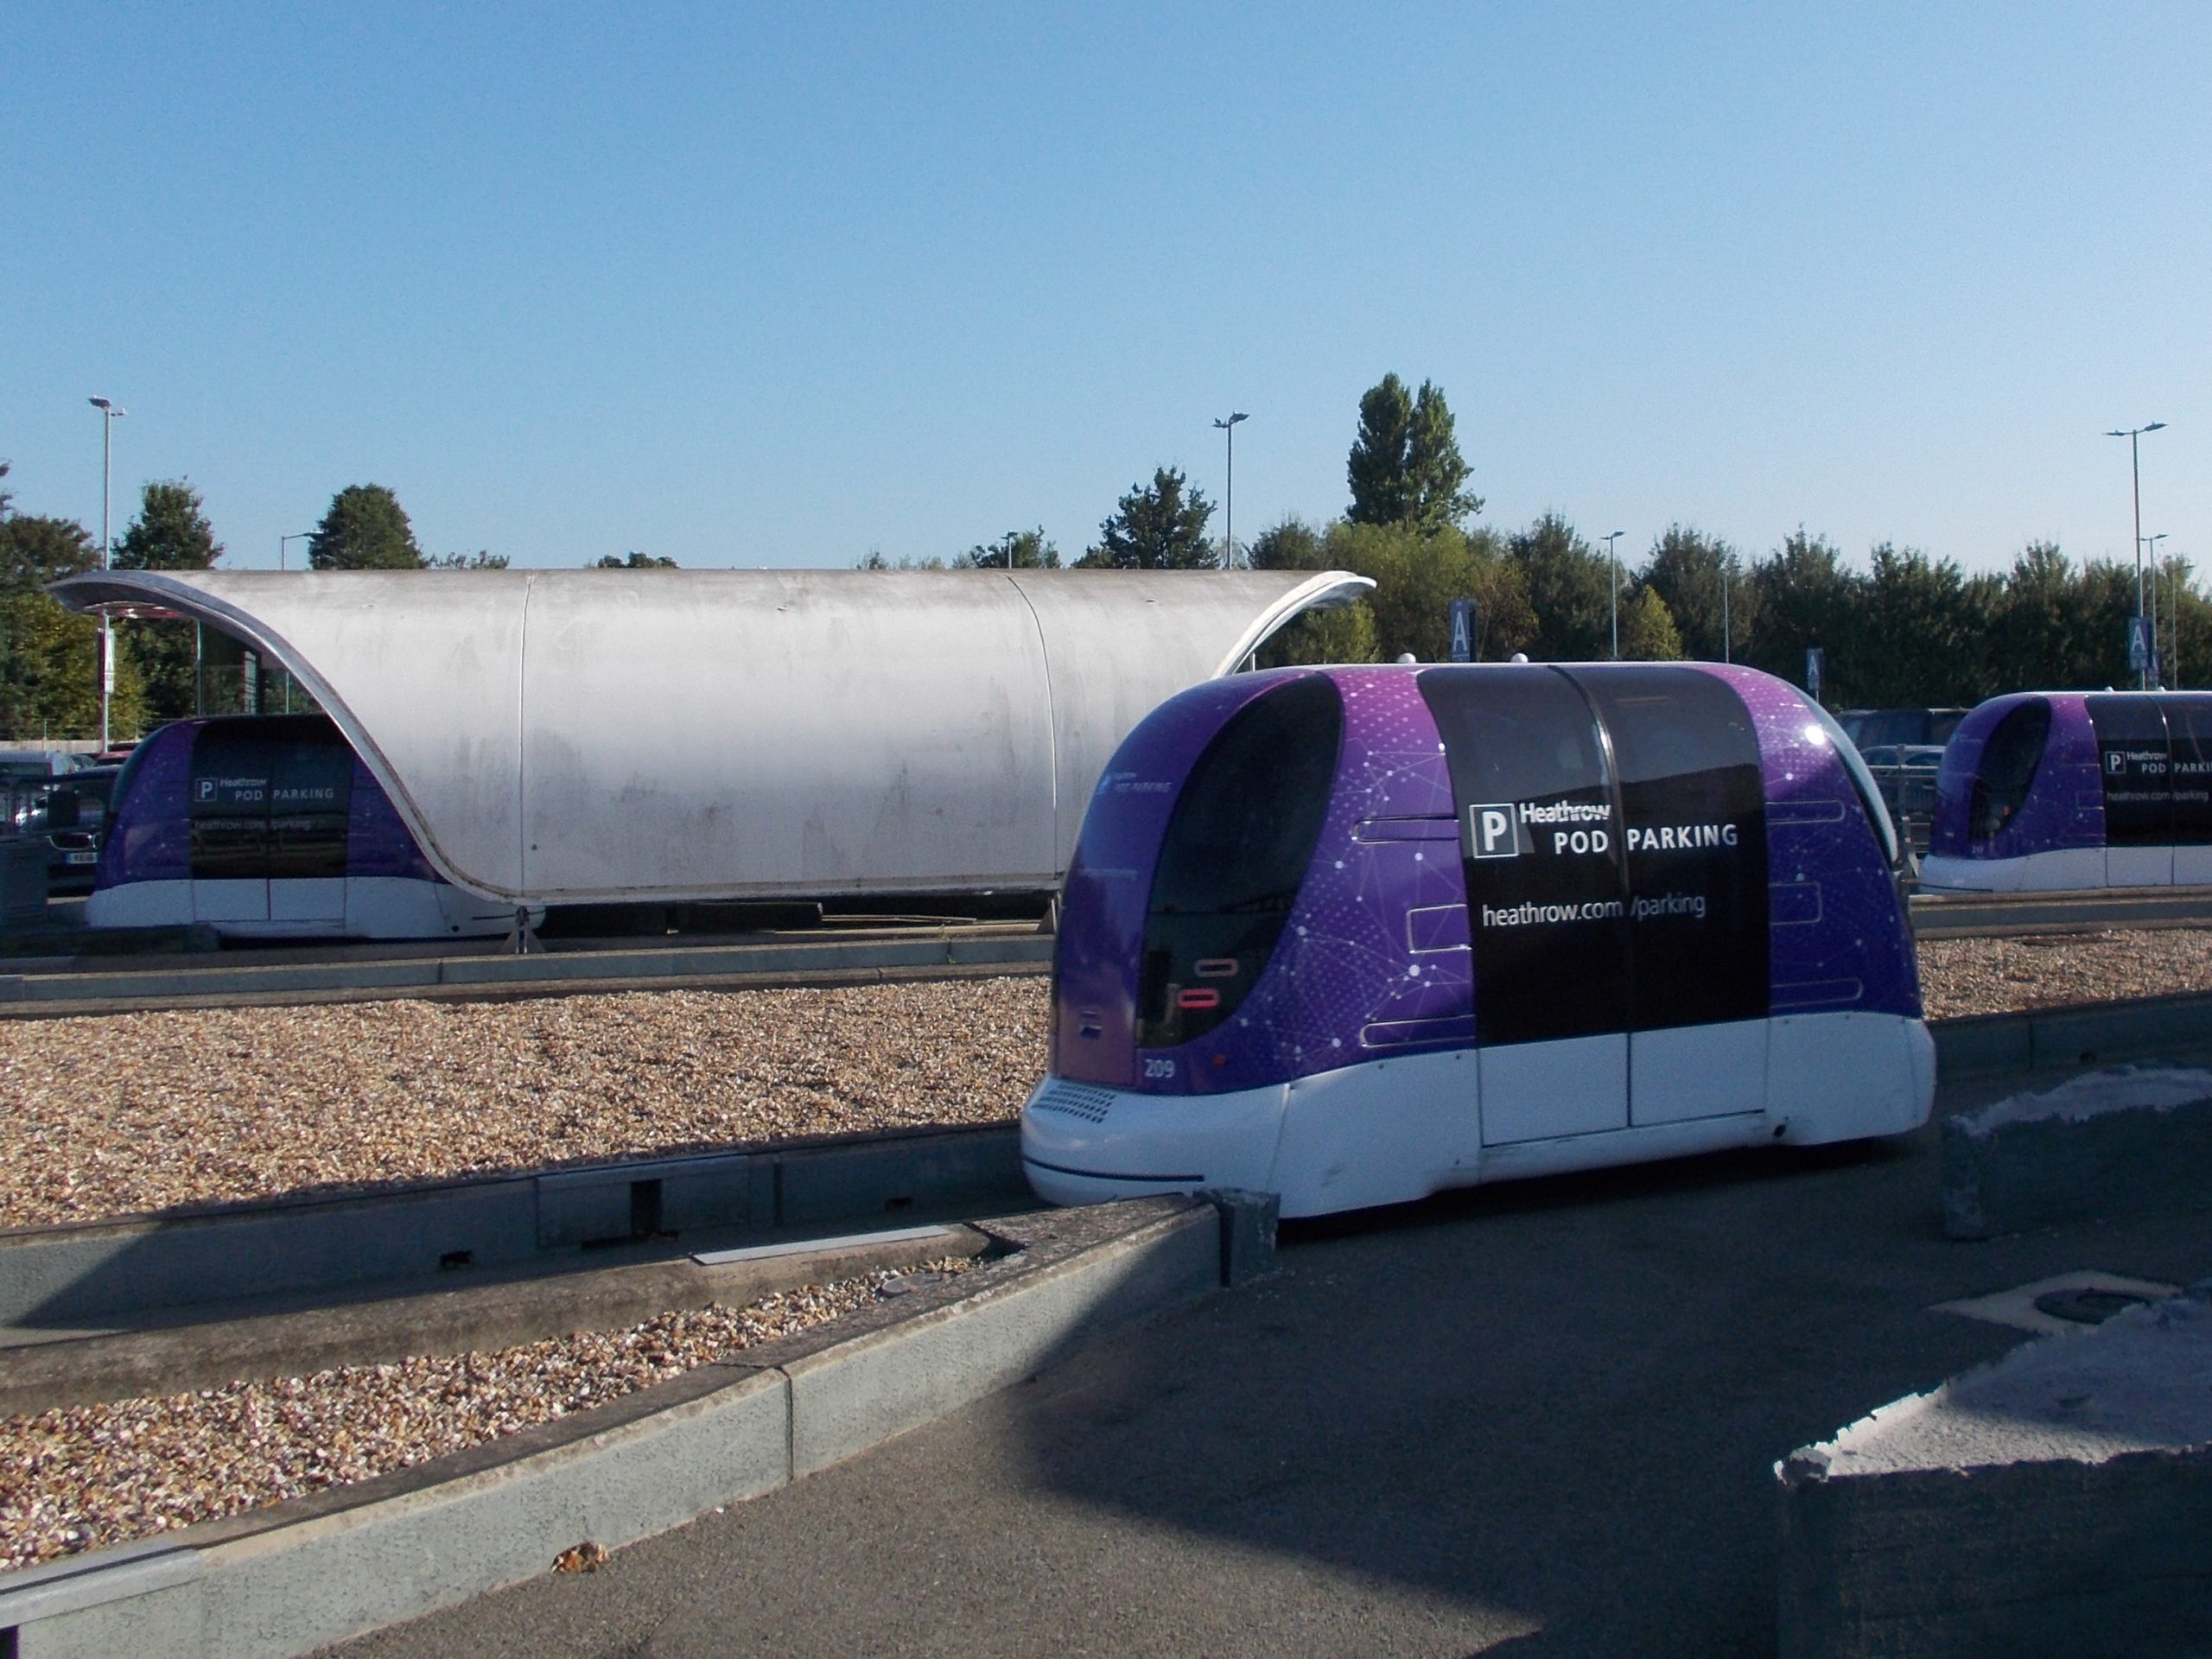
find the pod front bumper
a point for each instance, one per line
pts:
(1085, 1143)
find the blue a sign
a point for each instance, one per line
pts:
(2139, 643)
(1816, 660)
(1463, 630)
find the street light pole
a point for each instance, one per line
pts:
(1228, 516)
(2134, 436)
(283, 542)
(1728, 574)
(109, 415)
(1614, 587)
(2151, 556)
(2173, 622)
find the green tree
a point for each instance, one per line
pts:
(1648, 631)
(365, 528)
(1687, 570)
(1567, 583)
(875, 561)
(2057, 628)
(482, 559)
(49, 657)
(1157, 526)
(1346, 634)
(1417, 576)
(1292, 545)
(1806, 598)
(171, 533)
(1922, 633)
(633, 561)
(1343, 635)
(1018, 549)
(1405, 466)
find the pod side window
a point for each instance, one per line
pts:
(2010, 756)
(1233, 858)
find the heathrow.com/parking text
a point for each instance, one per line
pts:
(1531, 914)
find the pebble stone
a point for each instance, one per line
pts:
(2002, 975)
(87, 1476)
(128, 1113)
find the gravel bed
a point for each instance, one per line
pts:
(124, 1113)
(1961, 976)
(87, 1477)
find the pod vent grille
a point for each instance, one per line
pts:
(1090, 1104)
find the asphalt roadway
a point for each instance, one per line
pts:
(1538, 1421)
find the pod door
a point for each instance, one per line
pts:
(1693, 832)
(310, 794)
(1546, 892)
(228, 804)
(2189, 735)
(2137, 768)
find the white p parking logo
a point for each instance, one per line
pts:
(1494, 831)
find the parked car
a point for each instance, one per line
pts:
(1872, 727)
(69, 813)
(1905, 773)
(28, 766)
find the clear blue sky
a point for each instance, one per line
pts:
(755, 285)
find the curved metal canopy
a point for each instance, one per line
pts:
(601, 735)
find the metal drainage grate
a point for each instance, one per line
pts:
(1091, 1105)
(2087, 1305)
(2065, 1301)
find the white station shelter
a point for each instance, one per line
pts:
(595, 736)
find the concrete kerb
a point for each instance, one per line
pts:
(98, 1274)
(298, 1575)
(259, 1339)
(858, 959)
(2123, 1141)
(2035, 1040)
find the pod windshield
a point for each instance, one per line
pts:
(1233, 858)
(2010, 756)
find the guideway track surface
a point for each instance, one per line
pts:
(1980, 915)
(55, 986)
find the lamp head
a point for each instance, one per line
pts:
(105, 407)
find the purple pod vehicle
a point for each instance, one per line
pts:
(2045, 791)
(1354, 935)
(268, 826)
